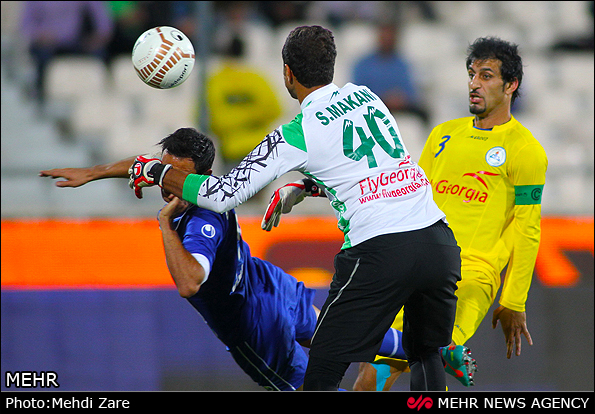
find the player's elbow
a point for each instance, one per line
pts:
(189, 287)
(189, 277)
(221, 207)
(188, 290)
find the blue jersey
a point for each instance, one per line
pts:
(254, 307)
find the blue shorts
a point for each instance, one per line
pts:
(281, 316)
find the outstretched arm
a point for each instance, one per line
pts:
(75, 177)
(270, 159)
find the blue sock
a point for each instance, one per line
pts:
(392, 345)
(382, 374)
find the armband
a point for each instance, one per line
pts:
(191, 187)
(527, 194)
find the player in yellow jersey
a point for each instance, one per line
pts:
(488, 173)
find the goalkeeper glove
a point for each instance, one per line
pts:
(146, 172)
(284, 198)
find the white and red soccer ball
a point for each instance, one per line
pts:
(163, 57)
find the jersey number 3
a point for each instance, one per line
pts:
(367, 143)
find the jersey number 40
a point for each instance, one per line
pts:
(368, 143)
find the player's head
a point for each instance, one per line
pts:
(195, 147)
(310, 52)
(187, 150)
(499, 59)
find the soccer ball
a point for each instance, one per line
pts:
(163, 57)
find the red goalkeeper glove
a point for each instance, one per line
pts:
(146, 172)
(284, 198)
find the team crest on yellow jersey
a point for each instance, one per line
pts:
(496, 156)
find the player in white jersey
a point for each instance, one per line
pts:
(398, 249)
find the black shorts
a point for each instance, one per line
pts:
(417, 269)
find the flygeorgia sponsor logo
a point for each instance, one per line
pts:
(467, 192)
(376, 187)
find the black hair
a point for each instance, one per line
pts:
(189, 143)
(511, 64)
(310, 53)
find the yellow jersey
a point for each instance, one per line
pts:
(243, 107)
(489, 185)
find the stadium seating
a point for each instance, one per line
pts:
(112, 114)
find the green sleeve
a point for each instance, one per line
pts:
(191, 187)
(294, 133)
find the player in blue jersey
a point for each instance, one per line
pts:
(262, 314)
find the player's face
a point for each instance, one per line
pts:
(487, 90)
(184, 164)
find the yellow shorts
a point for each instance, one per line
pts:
(476, 293)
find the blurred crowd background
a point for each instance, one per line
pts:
(71, 98)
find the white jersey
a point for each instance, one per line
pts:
(347, 141)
